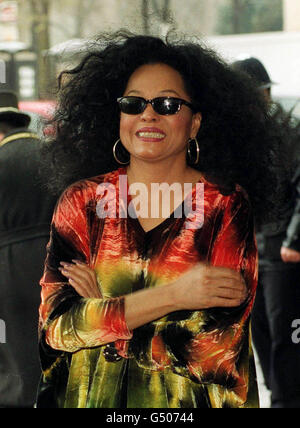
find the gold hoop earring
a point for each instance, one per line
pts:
(115, 156)
(193, 162)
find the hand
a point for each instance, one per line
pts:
(206, 286)
(82, 278)
(289, 256)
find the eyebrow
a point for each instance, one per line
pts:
(161, 92)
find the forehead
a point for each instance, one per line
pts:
(155, 78)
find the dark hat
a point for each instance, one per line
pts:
(256, 70)
(9, 110)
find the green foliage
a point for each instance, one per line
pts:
(250, 16)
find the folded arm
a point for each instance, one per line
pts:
(206, 346)
(68, 321)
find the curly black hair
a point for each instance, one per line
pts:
(239, 139)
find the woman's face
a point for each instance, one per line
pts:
(148, 135)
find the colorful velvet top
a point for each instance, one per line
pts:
(187, 359)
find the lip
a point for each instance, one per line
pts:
(160, 135)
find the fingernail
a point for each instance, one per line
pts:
(77, 261)
(64, 271)
(66, 264)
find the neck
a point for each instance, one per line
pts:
(167, 171)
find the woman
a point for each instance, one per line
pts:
(142, 310)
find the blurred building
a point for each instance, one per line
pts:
(291, 15)
(18, 61)
(79, 20)
(278, 51)
(9, 21)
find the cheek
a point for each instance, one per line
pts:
(181, 125)
(126, 125)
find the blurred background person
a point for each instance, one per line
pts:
(25, 215)
(278, 292)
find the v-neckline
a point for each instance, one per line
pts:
(160, 226)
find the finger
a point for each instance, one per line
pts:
(80, 262)
(82, 265)
(77, 271)
(223, 272)
(225, 288)
(230, 283)
(87, 280)
(65, 272)
(79, 288)
(232, 294)
(85, 268)
(72, 275)
(90, 272)
(80, 283)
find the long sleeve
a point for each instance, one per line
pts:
(68, 321)
(215, 353)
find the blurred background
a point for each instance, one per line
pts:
(38, 38)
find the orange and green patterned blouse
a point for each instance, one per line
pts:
(187, 359)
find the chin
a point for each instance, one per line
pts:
(148, 156)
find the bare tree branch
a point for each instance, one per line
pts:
(163, 12)
(40, 39)
(145, 16)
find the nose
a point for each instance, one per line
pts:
(149, 115)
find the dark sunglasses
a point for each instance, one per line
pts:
(161, 105)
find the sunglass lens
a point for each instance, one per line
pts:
(131, 105)
(166, 106)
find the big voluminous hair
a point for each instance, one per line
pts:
(239, 140)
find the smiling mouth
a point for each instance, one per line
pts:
(154, 135)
